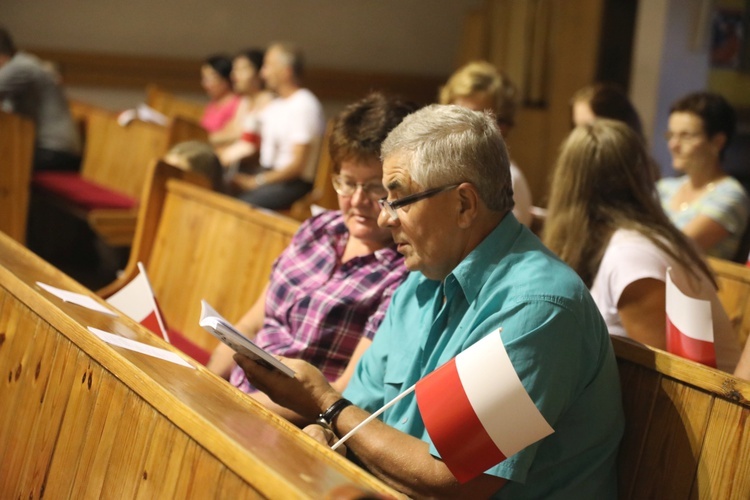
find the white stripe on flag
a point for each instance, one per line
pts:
(498, 397)
(134, 299)
(692, 317)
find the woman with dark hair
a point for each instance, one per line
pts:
(708, 205)
(606, 223)
(241, 138)
(223, 102)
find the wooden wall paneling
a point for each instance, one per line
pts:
(162, 467)
(105, 70)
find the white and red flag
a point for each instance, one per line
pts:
(137, 300)
(477, 411)
(690, 328)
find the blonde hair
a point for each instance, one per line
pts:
(481, 77)
(602, 183)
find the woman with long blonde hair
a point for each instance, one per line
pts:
(606, 222)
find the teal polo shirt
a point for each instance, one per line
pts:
(555, 338)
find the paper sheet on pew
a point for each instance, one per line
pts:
(76, 298)
(140, 347)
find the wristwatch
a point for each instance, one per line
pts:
(326, 418)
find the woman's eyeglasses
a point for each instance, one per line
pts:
(347, 187)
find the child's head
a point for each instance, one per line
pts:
(199, 157)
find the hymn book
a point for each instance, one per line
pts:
(222, 329)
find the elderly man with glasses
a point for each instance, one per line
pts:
(329, 290)
(448, 207)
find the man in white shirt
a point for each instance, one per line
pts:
(291, 131)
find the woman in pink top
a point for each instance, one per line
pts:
(216, 81)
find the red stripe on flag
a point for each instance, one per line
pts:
(693, 349)
(466, 449)
(152, 323)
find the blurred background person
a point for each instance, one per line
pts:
(605, 222)
(291, 129)
(232, 143)
(30, 89)
(216, 81)
(197, 156)
(480, 86)
(708, 205)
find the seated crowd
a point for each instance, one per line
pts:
(429, 253)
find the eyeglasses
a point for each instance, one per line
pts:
(682, 136)
(346, 187)
(390, 207)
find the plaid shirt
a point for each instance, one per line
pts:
(317, 309)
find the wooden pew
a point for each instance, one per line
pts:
(322, 193)
(83, 419)
(734, 294)
(16, 157)
(118, 159)
(686, 432)
(172, 106)
(209, 246)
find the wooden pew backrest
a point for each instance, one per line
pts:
(207, 246)
(734, 294)
(170, 105)
(118, 157)
(16, 157)
(83, 419)
(686, 427)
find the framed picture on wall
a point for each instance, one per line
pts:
(730, 43)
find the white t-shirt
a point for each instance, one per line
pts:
(521, 195)
(287, 122)
(630, 257)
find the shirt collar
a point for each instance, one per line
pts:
(473, 272)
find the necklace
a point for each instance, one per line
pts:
(705, 189)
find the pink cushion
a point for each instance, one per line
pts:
(197, 353)
(81, 192)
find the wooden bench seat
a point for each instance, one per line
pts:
(687, 433)
(16, 157)
(116, 164)
(197, 244)
(83, 419)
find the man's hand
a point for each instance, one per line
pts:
(308, 393)
(244, 182)
(324, 436)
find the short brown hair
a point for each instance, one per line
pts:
(361, 127)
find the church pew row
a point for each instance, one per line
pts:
(197, 244)
(83, 419)
(16, 156)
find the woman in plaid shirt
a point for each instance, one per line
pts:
(329, 290)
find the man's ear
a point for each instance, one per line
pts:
(469, 201)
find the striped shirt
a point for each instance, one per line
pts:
(317, 309)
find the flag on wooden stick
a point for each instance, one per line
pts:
(477, 411)
(137, 300)
(690, 329)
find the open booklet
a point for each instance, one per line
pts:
(222, 329)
